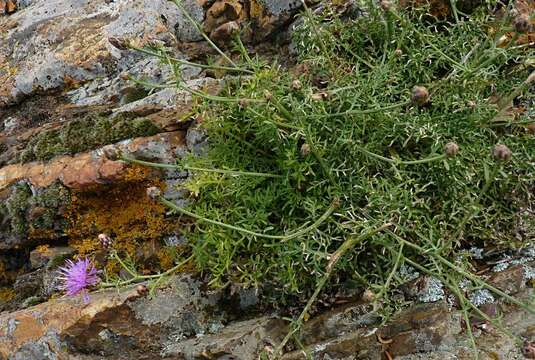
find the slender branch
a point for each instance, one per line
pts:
(185, 167)
(185, 62)
(286, 237)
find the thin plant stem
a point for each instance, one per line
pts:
(386, 285)
(185, 62)
(404, 162)
(466, 274)
(360, 111)
(185, 167)
(137, 277)
(286, 237)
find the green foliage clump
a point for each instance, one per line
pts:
(84, 134)
(347, 151)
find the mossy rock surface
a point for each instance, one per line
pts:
(85, 134)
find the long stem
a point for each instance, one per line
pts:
(185, 62)
(409, 162)
(287, 237)
(185, 167)
(386, 285)
(137, 277)
(361, 112)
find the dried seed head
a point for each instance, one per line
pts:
(451, 149)
(521, 23)
(142, 290)
(321, 80)
(320, 96)
(531, 128)
(242, 103)
(305, 149)
(420, 95)
(502, 152)
(268, 95)
(368, 296)
(105, 241)
(386, 5)
(471, 104)
(398, 52)
(153, 192)
(296, 85)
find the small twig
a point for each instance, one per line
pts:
(286, 237)
(186, 167)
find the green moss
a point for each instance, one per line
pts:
(17, 205)
(51, 200)
(85, 134)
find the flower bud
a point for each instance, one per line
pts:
(296, 85)
(142, 290)
(521, 23)
(105, 241)
(305, 149)
(420, 95)
(451, 149)
(268, 95)
(398, 52)
(386, 5)
(501, 152)
(242, 103)
(368, 296)
(321, 80)
(321, 96)
(153, 192)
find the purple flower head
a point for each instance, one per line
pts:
(77, 277)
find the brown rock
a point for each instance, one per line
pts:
(511, 280)
(21, 327)
(225, 32)
(423, 328)
(43, 255)
(85, 170)
(221, 12)
(11, 6)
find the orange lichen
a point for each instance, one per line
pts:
(6, 294)
(166, 257)
(122, 211)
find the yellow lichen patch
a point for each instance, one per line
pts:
(41, 234)
(122, 211)
(166, 257)
(6, 294)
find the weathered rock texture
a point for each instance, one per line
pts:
(185, 321)
(66, 104)
(67, 100)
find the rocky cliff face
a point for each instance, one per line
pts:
(66, 102)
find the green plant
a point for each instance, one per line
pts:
(348, 155)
